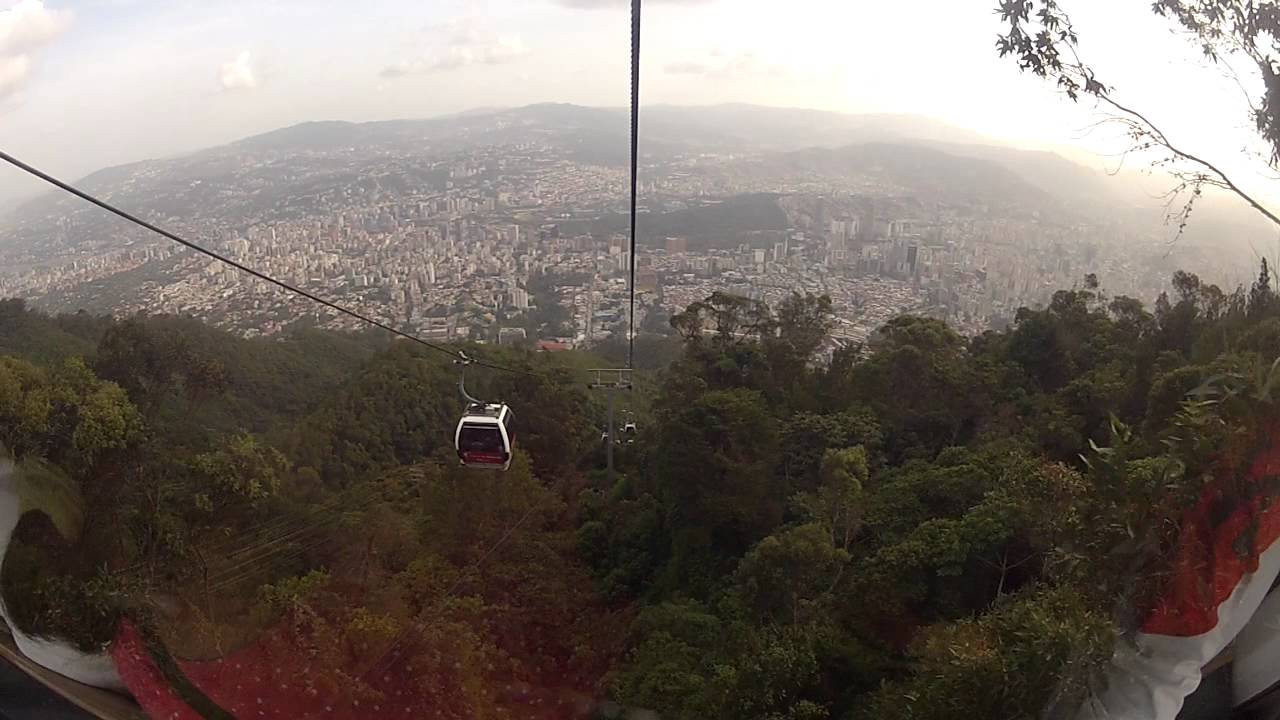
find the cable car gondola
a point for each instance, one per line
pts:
(484, 435)
(483, 438)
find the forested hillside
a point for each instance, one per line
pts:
(925, 527)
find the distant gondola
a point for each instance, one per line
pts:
(484, 436)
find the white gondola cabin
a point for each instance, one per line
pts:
(484, 436)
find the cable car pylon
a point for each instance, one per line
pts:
(610, 380)
(613, 379)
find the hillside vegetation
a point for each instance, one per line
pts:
(926, 527)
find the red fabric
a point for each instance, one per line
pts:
(473, 457)
(261, 681)
(143, 678)
(276, 679)
(270, 680)
(1211, 560)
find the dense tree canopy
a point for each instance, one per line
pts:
(890, 531)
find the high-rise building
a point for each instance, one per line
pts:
(646, 280)
(509, 335)
(520, 298)
(844, 228)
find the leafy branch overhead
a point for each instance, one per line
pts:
(1040, 37)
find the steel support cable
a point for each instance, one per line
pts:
(317, 519)
(250, 536)
(273, 531)
(296, 551)
(269, 532)
(281, 545)
(254, 551)
(265, 530)
(635, 146)
(264, 552)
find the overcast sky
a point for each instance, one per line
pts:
(90, 83)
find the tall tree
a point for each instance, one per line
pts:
(714, 474)
(1261, 296)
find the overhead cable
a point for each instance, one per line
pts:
(635, 146)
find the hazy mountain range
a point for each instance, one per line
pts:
(919, 154)
(602, 135)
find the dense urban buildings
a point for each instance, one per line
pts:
(517, 239)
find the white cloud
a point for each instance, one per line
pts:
(458, 44)
(25, 28)
(238, 74)
(29, 25)
(12, 72)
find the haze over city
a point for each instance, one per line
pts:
(881, 154)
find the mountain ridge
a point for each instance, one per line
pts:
(599, 135)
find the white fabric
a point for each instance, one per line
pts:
(1150, 678)
(1255, 662)
(94, 669)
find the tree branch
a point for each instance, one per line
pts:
(1038, 45)
(1222, 177)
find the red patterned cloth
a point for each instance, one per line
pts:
(278, 678)
(270, 680)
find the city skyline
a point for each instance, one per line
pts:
(506, 225)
